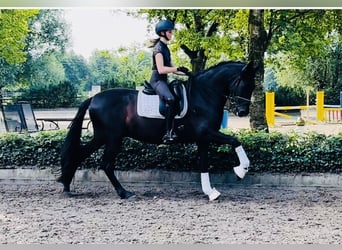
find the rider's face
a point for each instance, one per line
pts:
(169, 34)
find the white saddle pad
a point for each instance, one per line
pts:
(148, 105)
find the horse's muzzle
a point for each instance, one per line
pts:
(240, 106)
(242, 113)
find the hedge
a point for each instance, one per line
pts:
(268, 152)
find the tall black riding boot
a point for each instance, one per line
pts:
(170, 135)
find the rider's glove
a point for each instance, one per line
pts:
(184, 70)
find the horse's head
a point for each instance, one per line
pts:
(241, 90)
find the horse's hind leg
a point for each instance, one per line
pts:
(110, 152)
(123, 193)
(71, 165)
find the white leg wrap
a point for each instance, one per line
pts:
(242, 169)
(205, 181)
(207, 189)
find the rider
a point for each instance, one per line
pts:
(161, 67)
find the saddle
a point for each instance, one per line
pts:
(149, 104)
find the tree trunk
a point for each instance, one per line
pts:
(256, 50)
(197, 58)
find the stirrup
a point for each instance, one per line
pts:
(169, 137)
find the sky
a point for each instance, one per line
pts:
(104, 29)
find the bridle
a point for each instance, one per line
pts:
(240, 97)
(233, 98)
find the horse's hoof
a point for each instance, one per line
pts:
(128, 195)
(240, 171)
(132, 197)
(69, 194)
(214, 194)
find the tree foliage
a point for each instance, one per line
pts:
(76, 70)
(49, 32)
(103, 66)
(300, 41)
(14, 27)
(304, 50)
(134, 66)
(125, 67)
(200, 34)
(44, 71)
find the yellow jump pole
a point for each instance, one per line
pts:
(320, 106)
(270, 108)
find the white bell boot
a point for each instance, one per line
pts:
(242, 169)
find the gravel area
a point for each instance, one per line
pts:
(166, 213)
(38, 212)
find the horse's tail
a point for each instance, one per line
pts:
(71, 146)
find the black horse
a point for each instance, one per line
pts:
(114, 116)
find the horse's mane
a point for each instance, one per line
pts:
(216, 66)
(202, 72)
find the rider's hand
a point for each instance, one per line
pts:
(185, 70)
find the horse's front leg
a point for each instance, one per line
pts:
(212, 193)
(221, 138)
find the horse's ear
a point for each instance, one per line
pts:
(249, 69)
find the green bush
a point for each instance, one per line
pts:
(268, 152)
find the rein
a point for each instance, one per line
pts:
(242, 98)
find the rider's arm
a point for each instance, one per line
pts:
(162, 69)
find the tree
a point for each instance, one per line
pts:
(13, 30)
(299, 43)
(299, 34)
(76, 70)
(200, 34)
(257, 47)
(44, 71)
(125, 67)
(27, 35)
(49, 32)
(270, 81)
(45, 42)
(8, 73)
(134, 67)
(14, 27)
(103, 66)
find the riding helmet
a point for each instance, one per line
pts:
(164, 25)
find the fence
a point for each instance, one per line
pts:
(271, 109)
(328, 113)
(324, 112)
